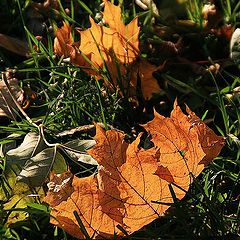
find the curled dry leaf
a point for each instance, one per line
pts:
(148, 5)
(31, 145)
(14, 45)
(115, 48)
(64, 45)
(45, 5)
(76, 150)
(131, 188)
(235, 46)
(7, 105)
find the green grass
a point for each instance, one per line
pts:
(68, 98)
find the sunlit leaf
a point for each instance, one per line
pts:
(114, 47)
(64, 40)
(134, 186)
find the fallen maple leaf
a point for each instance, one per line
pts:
(196, 143)
(125, 38)
(96, 43)
(131, 188)
(100, 43)
(111, 47)
(115, 48)
(210, 143)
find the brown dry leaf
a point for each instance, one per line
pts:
(132, 183)
(14, 45)
(7, 105)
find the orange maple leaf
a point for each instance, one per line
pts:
(210, 143)
(125, 38)
(101, 43)
(131, 188)
(64, 45)
(64, 40)
(109, 45)
(115, 47)
(112, 46)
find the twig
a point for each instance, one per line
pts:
(81, 129)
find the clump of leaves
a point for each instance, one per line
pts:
(28, 166)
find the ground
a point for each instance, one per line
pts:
(190, 54)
